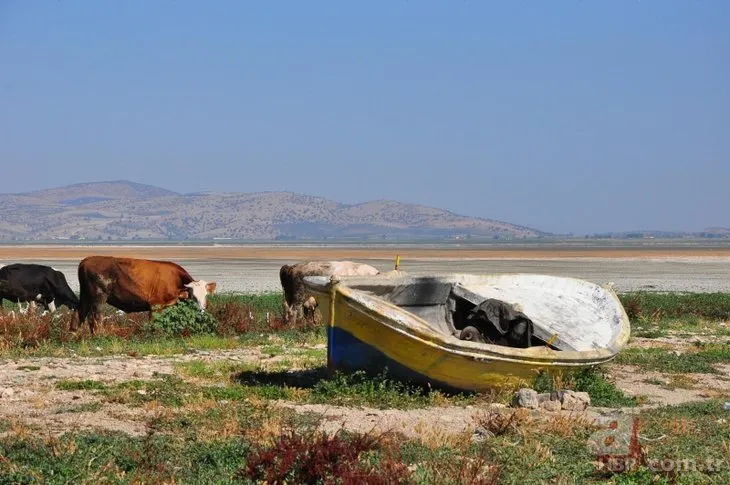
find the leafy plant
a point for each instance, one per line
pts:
(185, 318)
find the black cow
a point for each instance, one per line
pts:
(35, 283)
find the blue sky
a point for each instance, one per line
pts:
(567, 116)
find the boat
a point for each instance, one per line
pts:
(410, 326)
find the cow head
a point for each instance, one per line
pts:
(199, 291)
(309, 306)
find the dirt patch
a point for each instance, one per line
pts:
(678, 340)
(450, 420)
(30, 396)
(659, 388)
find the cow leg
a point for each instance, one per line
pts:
(94, 316)
(286, 311)
(293, 313)
(52, 306)
(87, 311)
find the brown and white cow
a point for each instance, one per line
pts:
(296, 301)
(135, 285)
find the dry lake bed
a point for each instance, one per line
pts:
(254, 269)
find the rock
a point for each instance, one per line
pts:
(7, 392)
(526, 398)
(544, 397)
(574, 401)
(552, 406)
(480, 434)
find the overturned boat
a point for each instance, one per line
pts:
(468, 332)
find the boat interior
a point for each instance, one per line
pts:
(446, 307)
(565, 314)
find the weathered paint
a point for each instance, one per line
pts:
(369, 333)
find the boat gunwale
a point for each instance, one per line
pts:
(416, 327)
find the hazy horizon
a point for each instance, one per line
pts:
(122, 181)
(577, 117)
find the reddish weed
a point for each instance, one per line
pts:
(319, 458)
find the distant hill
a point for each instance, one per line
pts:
(123, 210)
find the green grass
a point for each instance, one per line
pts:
(358, 389)
(663, 360)
(85, 385)
(644, 305)
(115, 458)
(237, 382)
(686, 328)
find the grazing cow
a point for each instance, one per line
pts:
(135, 285)
(36, 283)
(296, 301)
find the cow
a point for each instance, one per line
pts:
(135, 285)
(296, 301)
(36, 283)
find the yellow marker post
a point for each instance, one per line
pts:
(334, 280)
(397, 262)
(552, 339)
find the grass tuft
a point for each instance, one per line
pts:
(593, 381)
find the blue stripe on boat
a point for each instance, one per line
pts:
(347, 353)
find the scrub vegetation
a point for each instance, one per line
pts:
(237, 396)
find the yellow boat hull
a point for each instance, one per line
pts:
(366, 333)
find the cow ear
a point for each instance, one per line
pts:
(183, 295)
(210, 287)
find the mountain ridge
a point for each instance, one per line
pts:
(123, 209)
